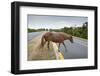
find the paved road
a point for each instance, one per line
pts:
(76, 50)
(33, 35)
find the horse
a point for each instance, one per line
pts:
(57, 37)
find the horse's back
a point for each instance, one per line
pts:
(56, 37)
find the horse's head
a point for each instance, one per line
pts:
(71, 39)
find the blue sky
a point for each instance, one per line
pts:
(54, 22)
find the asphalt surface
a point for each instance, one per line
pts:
(76, 50)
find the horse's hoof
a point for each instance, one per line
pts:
(58, 50)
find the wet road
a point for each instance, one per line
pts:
(76, 50)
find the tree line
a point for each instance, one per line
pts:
(75, 31)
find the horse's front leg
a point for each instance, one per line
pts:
(65, 46)
(59, 47)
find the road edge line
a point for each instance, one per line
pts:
(59, 55)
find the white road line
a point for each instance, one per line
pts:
(55, 50)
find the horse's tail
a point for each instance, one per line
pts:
(42, 41)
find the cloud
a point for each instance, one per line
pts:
(54, 22)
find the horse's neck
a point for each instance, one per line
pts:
(66, 36)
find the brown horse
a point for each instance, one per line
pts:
(57, 37)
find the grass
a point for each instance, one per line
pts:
(35, 52)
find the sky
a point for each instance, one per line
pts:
(54, 22)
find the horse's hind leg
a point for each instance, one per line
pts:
(65, 46)
(48, 45)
